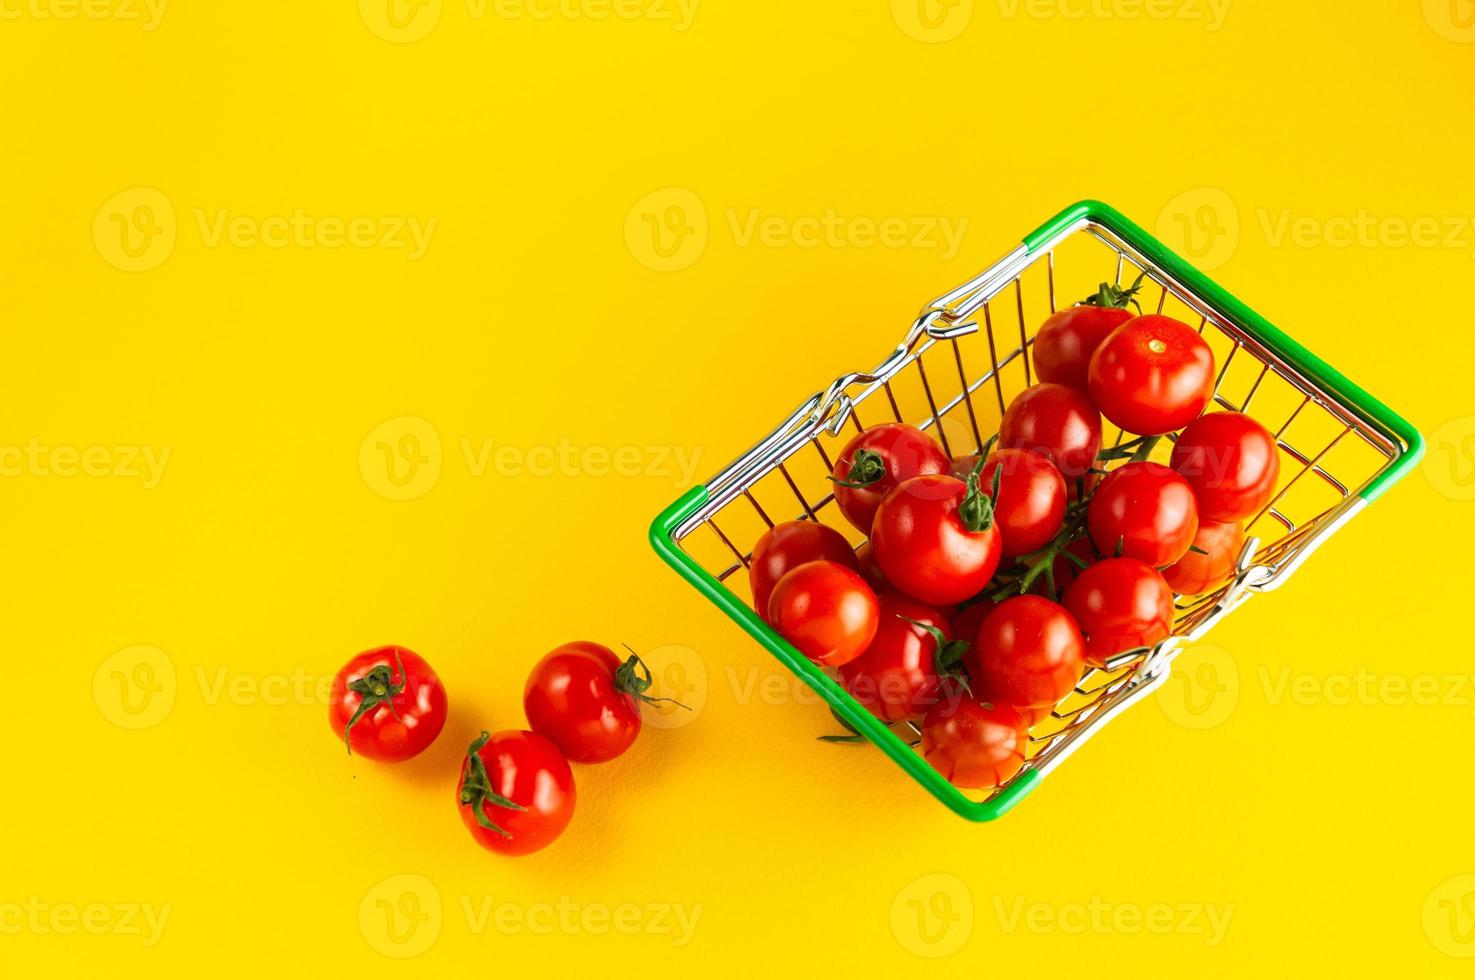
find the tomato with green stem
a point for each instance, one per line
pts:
(586, 700)
(1057, 421)
(1232, 463)
(973, 743)
(936, 539)
(1143, 510)
(899, 674)
(1120, 604)
(1029, 654)
(516, 792)
(1210, 559)
(826, 610)
(387, 704)
(1152, 375)
(789, 545)
(878, 460)
(1065, 342)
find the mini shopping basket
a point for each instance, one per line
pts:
(960, 363)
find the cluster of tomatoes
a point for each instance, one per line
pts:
(989, 583)
(516, 788)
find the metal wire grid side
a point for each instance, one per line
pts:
(1278, 544)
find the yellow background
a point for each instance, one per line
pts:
(264, 557)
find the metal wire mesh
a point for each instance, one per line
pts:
(961, 364)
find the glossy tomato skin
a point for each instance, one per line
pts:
(400, 727)
(572, 700)
(896, 678)
(1067, 339)
(1057, 421)
(923, 548)
(1031, 503)
(789, 545)
(1029, 654)
(1120, 604)
(527, 769)
(826, 610)
(967, 620)
(1195, 574)
(1147, 507)
(1152, 375)
(1231, 462)
(974, 744)
(904, 450)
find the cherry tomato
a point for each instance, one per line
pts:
(1148, 509)
(826, 611)
(967, 620)
(865, 555)
(935, 539)
(1031, 504)
(387, 704)
(1029, 654)
(1232, 463)
(897, 677)
(875, 462)
(1120, 604)
(1194, 573)
(1152, 375)
(1067, 339)
(788, 545)
(516, 792)
(1056, 421)
(584, 699)
(974, 744)
(1063, 570)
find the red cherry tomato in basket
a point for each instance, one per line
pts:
(1029, 654)
(1056, 421)
(1120, 604)
(789, 545)
(585, 699)
(875, 462)
(1232, 463)
(967, 620)
(522, 769)
(1031, 503)
(865, 555)
(936, 541)
(827, 611)
(1067, 339)
(896, 678)
(387, 704)
(972, 743)
(1194, 573)
(1146, 508)
(1152, 375)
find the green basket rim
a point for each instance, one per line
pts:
(1409, 445)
